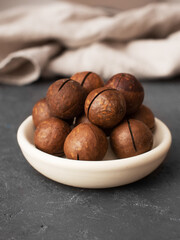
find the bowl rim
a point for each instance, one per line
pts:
(135, 161)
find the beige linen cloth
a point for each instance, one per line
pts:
(64, 38)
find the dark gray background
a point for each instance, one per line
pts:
(34, 207)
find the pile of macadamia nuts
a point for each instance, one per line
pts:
(81, 114)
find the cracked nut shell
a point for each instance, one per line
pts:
(145, 115)
(40, 112)
(131, 89)
(65, 98)
(50, 135)
(86, 142)
(88, 80)
(131, 138)
(105, 107)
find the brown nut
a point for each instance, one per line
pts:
(131, 89)
(50, 135)
(86, 142)
(40, 112)
(105, 107)
(82, 119)
(89, 80)
(65, 98)
(131, 138)
(145, 115)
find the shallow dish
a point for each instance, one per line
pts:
(110, 172)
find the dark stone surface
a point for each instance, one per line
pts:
(34, 207)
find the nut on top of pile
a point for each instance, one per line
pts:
(80, 115)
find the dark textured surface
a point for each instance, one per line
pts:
(34, 207)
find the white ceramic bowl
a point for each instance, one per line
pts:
(95, 174)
